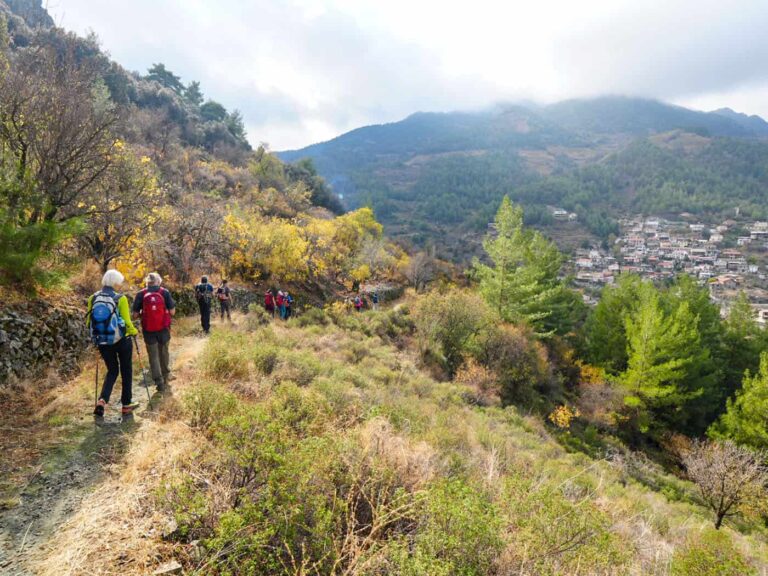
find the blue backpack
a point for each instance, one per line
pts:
(107, 327)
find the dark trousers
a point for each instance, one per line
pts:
(159, 358)
(226, 306)
(205, 315)
(118, 359)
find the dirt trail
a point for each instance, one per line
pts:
(68, 467)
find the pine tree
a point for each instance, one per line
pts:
(746, 418)
(523, 285)
(664, 351)
(605, 330)
(744, 341)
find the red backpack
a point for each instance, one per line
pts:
(269, 299)
(154, 316)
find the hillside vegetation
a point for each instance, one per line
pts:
(322, 447)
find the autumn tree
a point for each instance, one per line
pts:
(731, 479)
(419, 270)
(56, 123)
(121, 206)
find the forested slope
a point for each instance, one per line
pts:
(435, 173)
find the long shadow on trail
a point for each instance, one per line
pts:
(65, 475)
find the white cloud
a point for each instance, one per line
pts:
(306, 70)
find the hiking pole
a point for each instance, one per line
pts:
(141, 367)
(96, 385)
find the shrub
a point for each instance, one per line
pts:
(257, 317)
(553, 534)
(311, 317)
(460, 527)
(206, 404)
(519, 362)
(299, 367)
(481, 381)
(265, 358)
(709, 553)
(226, 356)
(447, 324)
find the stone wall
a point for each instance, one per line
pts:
(36, 335)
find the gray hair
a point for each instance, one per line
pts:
(112, 278)
(153, 279)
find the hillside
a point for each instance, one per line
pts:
(433, 174)
(416, 475)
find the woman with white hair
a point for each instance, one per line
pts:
(109, 320)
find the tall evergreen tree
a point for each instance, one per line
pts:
(605, 330)
(746, 418)
(523, 284)
(744, 341)
(664, 353)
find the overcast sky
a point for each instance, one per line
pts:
(303, 71)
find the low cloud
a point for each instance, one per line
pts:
(303, 71)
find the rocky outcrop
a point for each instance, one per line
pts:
(36, 335)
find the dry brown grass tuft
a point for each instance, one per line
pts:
(416, 463)
(117, 531)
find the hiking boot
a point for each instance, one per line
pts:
(161, 386)
(129, 408)
(100, 407)
(170, 377)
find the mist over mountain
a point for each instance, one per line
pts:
(435, 178)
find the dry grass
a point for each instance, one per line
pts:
(117, 531)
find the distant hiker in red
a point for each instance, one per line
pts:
(269, 302)
(358, 304)
(155, 305)
(224, 296)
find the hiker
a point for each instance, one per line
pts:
(375, 299)
(224, 296)
(358, 304)
(108, 319)
(204, 296)
(155, 305)
(288, 303)
(269, 302)
(280, 301)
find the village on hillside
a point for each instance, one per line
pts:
(728, 258)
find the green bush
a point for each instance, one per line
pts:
(460, 528)
(553, 533)
(226, 356)
(709, 553)
(300, 367)
(311, 317)
(447, 325)
(206, 404)
(519, 362)
(257, 317)
(265, 358)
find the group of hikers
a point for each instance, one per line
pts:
(110, 320)
(359, 302)
(278, 302)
